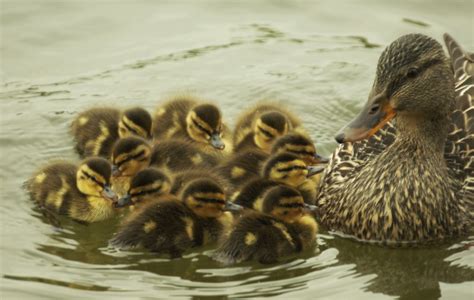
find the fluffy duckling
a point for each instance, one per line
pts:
(169, 225)
(177, 155)
(96, 130)
(129, 156)
(146, 185)
(282, 227)
(261, 125)
(81, 192)
(299, 144)
(188, 118)
(281, 169)
(242, 167)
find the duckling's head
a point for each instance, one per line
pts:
(288, 168)
(146, 184)
(130, 155)
(413, 82)
(206, 198)
(301, 146)
(268, 127)
(204, 124)
(135, 121)
(285, 203)
(93, 178)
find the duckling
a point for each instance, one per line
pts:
(301, 145)
(282, 227)
(177, 155)
(281, 169)
(169, 225)
(259, 126)
(96, 130)
(145, 186)
(241, 167)
(80, 192)
(129, 156)
(188, 118)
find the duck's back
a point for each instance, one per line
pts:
(95, 131)
(54, 187)
(179, 155)
(163, 226)
(170, 118)
(259, 237)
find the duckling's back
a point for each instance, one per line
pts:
(181, 179)
(163, 226)
(178, 155)
(251, 194)
(95, 131)
(170, 118)
(54, 186)
(260, 237)
(240, 168)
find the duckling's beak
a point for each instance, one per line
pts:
(310, 208)
(108, 194)
(231, 206)
(373, 116)
(313, 170)
(217, 142)
(320, 159)
(125, 200)
(115, 170)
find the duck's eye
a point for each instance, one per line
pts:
(375, 108)
(412, 72)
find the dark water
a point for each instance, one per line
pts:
(318, 57)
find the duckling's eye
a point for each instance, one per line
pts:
(285, 212)
(265, 132)
(198, 206)
(412, 72)
(202, 128)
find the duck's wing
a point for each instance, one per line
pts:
(460, 144)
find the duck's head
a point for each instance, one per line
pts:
(301, 146)
(146, 184)
(206, 198)
(204, 124)
(135, 121)
(289, 169)
(130, 155)
(93, 178)
(268, 127)
(285, 203)
(414, 82)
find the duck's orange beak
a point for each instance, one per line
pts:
(376, 113)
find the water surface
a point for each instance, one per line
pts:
(318, 57)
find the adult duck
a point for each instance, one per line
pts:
(410, 180)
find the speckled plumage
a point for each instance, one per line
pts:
(410, 182)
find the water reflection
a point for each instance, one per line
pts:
(411, 273)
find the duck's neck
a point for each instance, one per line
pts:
(427, 134)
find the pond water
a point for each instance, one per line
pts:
(317, 57)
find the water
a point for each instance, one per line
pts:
(318, 57)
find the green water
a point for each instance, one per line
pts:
(318, 57)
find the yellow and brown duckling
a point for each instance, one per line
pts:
(96, 130)
(171, 225)
(260, 126)
(188, 118)
(283, 226)
(177, 155)
(80, 192)
(129, 156)
(411, 181)
(146, 185)
(299, 144)
(281, 169)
